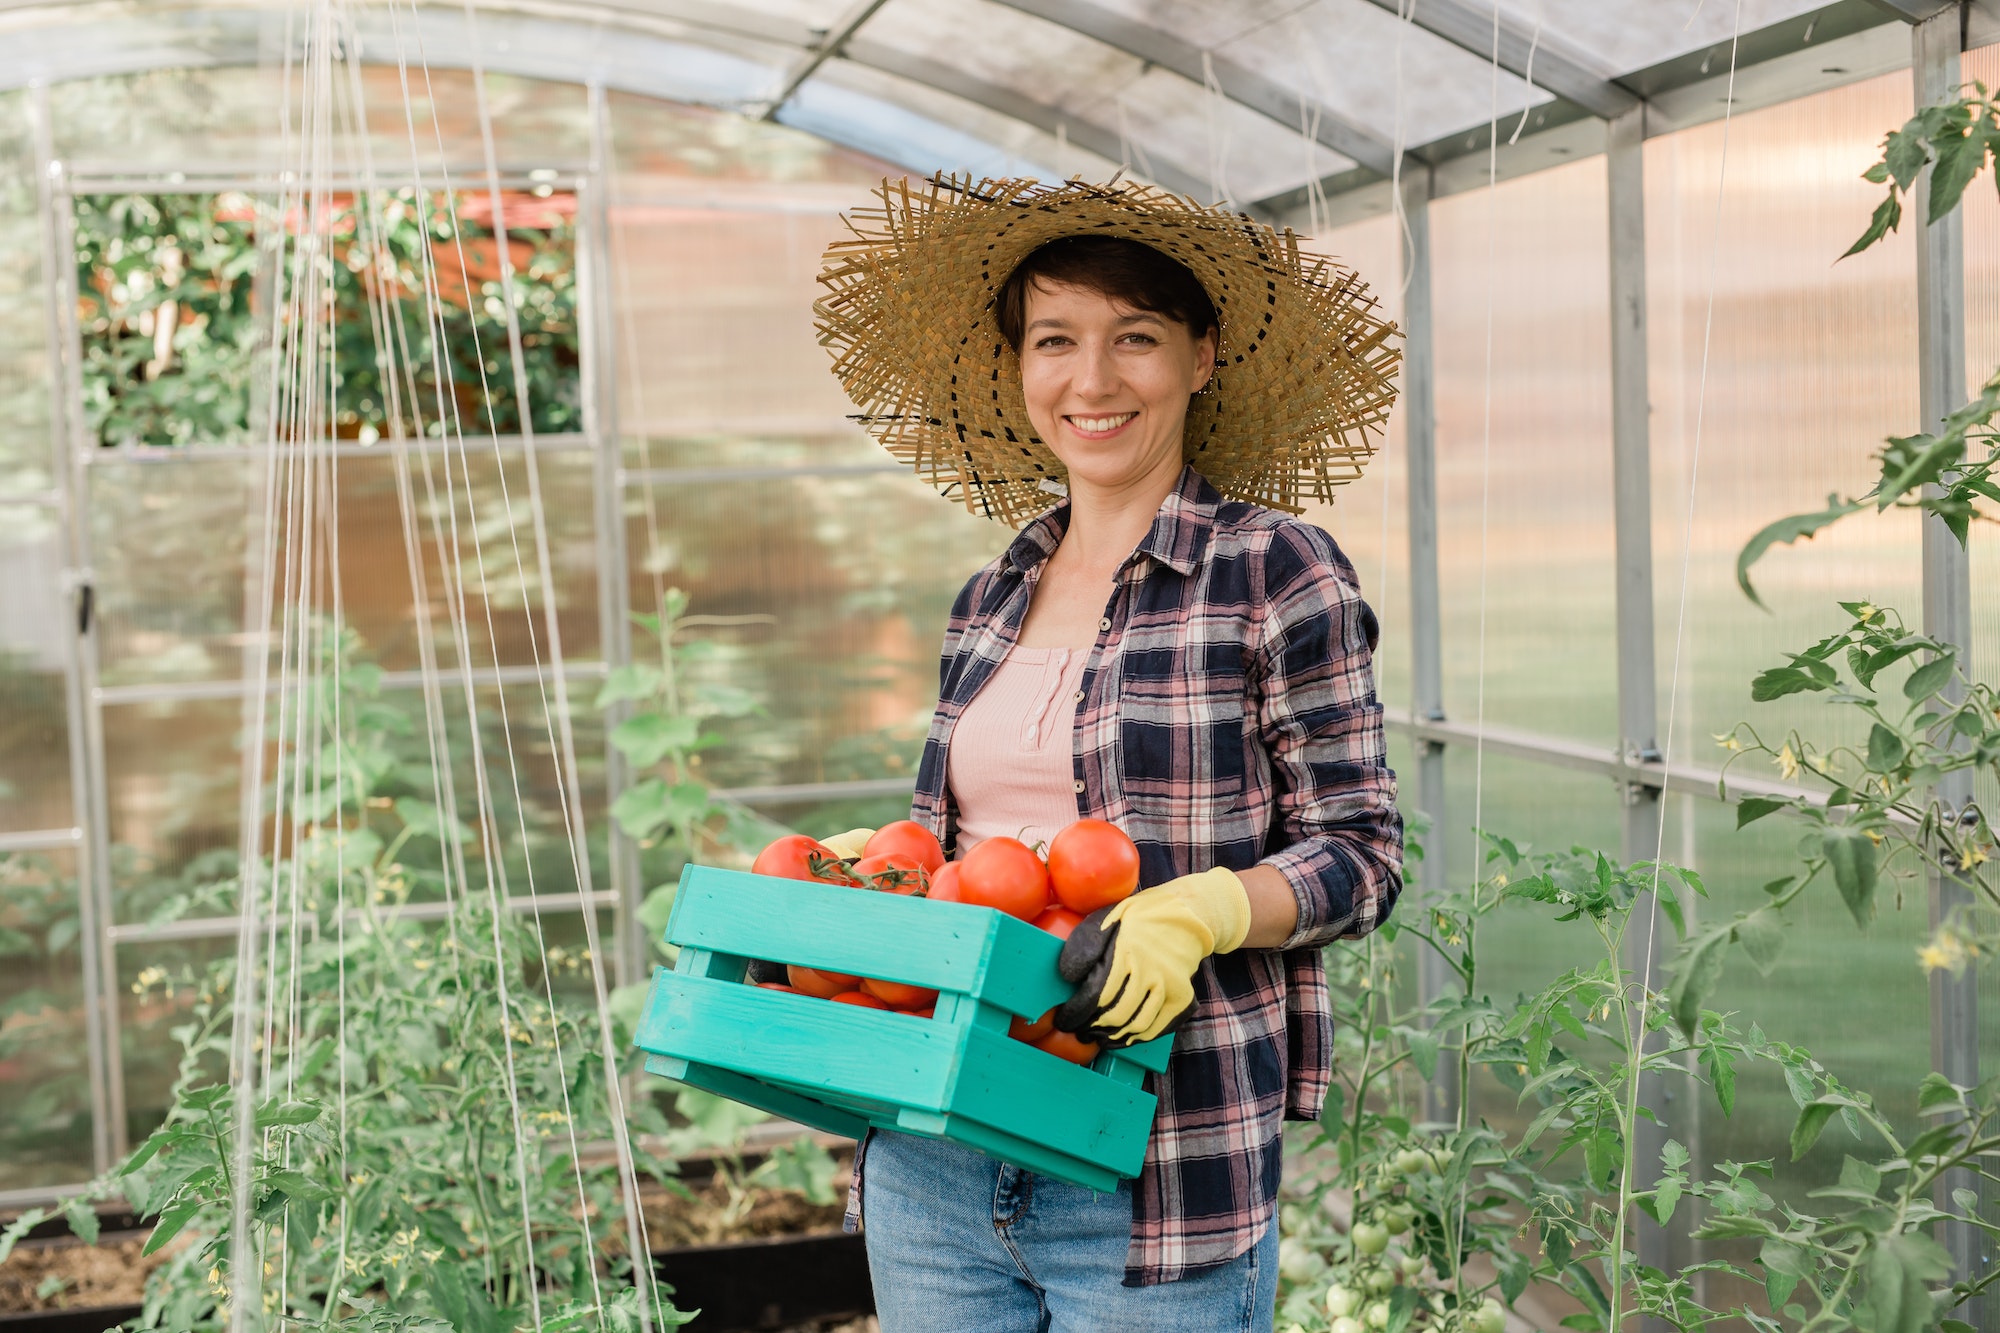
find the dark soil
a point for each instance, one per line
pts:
(66, 1274)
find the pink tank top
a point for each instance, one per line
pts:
(1010, 764)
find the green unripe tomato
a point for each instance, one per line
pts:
(1411, 1264)
(1342, 1301)
(1297, 1262)
(1369, 1238)
(1379, 1281)
(1440, 1159)
(1347, 1324)
(1397, 1220)
(1412, 1160)
(1378, 1315)
(1490, 1317)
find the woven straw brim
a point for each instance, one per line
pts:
(1307, 362)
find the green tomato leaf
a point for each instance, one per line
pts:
(626, 683)
(1810, 1124)
(1753, 808)
(1696, 976)
(648, 738)
(1929, 678)
(1762, 935)
(1850, 854)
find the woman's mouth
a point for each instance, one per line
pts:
(1098, 427)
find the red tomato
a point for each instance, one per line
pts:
(1022, 1030)
(891, 872)
(826, 985)
(860, 999)
(898, 995)
(776, 985)
(1058, 921)
(1093, 864)
(795, 856)
(1069, 1046)
(1004, 873)
(923, 1013)
(944, 884)
(911, 839)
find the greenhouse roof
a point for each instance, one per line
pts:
(1250, 101)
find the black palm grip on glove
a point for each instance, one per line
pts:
(1085, 962)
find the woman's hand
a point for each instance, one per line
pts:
(1134, 962)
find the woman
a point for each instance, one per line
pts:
(1193, 668)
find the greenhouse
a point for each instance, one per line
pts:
(484, 489)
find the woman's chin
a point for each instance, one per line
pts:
(1114, 465)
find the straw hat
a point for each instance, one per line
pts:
(1305, 372)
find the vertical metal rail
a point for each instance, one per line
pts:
(1937, 44)
(1668, 1249)
(614, 592)
(84, 756)
(61, 223)
(1441, 1094)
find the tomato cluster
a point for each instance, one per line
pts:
(1090, 865)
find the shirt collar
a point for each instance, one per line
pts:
(1178, 538)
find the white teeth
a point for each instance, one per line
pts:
(1102, 423)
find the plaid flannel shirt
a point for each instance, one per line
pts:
(1228, 719)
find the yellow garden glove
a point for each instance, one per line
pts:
(1133, 963)
(848, 845)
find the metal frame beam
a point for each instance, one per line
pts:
(1947, 597)
(1795, 57)
(1434, 976)
(1542, 58)
(822, 50)
(1239, 83)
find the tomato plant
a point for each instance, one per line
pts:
(1005, 873)
(1092, 864)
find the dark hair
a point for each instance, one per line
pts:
(1127, 272)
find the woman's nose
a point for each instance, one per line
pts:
(1097, 376)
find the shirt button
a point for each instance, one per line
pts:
(1079, 788)
(1079, 696)
(1104, 623)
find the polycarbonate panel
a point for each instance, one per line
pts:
(1627, 35)
(1520, 295)
(1810, 363)
(174, 773)
(26, 447)
(1362, 64)
(921, 128)
(45, 1131)
(1371, 518)
(35, 627)
(171, 555)
(834, 593)
(714, 321)
(225, 119)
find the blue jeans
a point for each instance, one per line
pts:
(959, 1243)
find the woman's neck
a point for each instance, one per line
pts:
(1107, 522)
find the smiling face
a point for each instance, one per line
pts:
(1107, 385)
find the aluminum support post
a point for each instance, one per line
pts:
(70, 484)
(1667, 1249)
(1947, 600)
(1434, 973)
(614, 588)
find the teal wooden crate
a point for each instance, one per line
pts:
(842, 1068)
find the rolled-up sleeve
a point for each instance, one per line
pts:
(1339, 838)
